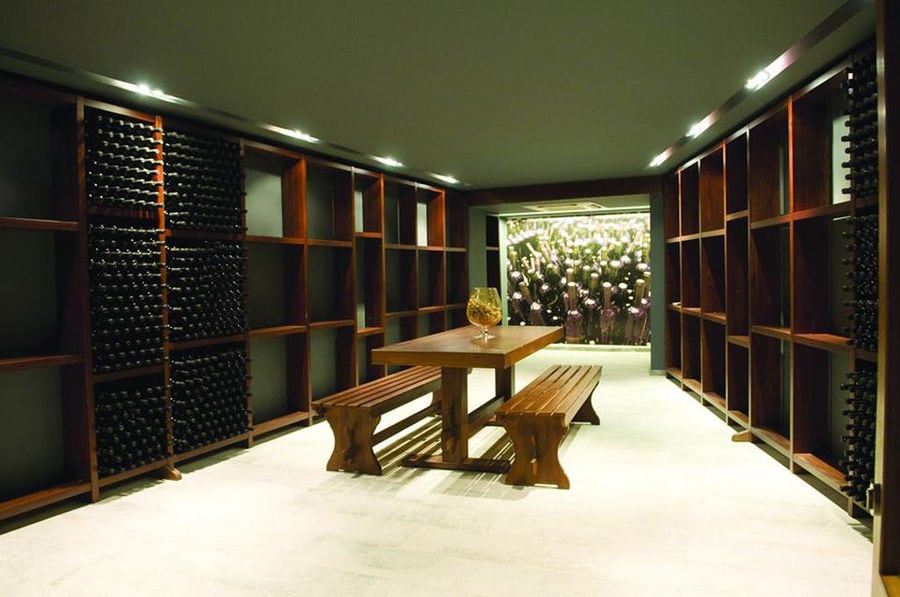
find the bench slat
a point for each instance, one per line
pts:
(371, 393)
(559, 391)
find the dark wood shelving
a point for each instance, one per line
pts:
(213, 447)
(38, 224)
(128, 373)
(279, 330)
(756, 271)
(334, 323)
(829, 342)
(772, 222)
(371, 331)
(339, 260)
(135, 472)
(295, 418)
(715, 317)
(273, 240)
(202, 342)
(780, 333)
(836, 210)
(32, 362)
(773, 439)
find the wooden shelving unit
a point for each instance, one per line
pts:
(337, 260)
(756, 275)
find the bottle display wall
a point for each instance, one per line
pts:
(588, 273)
(185, 290)
(772, 270)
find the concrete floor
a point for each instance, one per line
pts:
(662, 503)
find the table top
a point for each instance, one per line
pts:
(459, 347)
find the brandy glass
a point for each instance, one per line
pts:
(484, 310)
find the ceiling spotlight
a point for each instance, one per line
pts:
(697, 129)
(658, 160)
(446, 178)
(758, 80)
(391, 162)
(145, 89)
(303, 136)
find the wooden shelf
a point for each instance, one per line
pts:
(717, 233)
(280, 423)
(739, 417)
(455, 249)
(36, 224)
(780, 333)
(369, 331)
(372, 235)
(715, 317)
(280, 330)
(34, 362)
(243, 437)
(399, 314)
(821, 470)
(829, 342)
(400, 247)
(692, 311)
(693, 385)
(689, 237)
(179, 233)
(273, 240)
(201, 342)
(674, 307)
(774, 439)
(340, 244)
(674, 372)
(835, 210)
(135, 472)
(128, 373)
(42, 498)
(773, 222)
(867, 355)
(738, 215)
(673, 241)
(716, 400)
(333, 323)
(865, 203)
(743, 341)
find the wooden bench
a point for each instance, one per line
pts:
(354, 414)
(537, 418)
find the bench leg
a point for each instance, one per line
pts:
(536, 442)
(587, 414)
(352, 429)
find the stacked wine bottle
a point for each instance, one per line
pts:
(864, 277)
(131, 426)
(862, 110)
(204, 183)
(121, 159)
(859, 451)
(206, 281)
(125, 296)
(209, 396)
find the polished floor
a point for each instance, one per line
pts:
(662, 503)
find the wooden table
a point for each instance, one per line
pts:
(456, 351)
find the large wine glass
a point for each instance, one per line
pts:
(484, 310)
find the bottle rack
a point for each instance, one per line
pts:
(179, 289)
(769, 292)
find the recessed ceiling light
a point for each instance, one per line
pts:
(659, 159)
(446, 178)
(758, 80)
(697, 129)
(388, 161)
(145, 89)
(303, 136)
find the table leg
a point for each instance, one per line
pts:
(455, 415)
(505, 382)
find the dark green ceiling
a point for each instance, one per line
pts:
(496, 93)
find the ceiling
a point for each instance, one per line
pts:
(495, 93)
